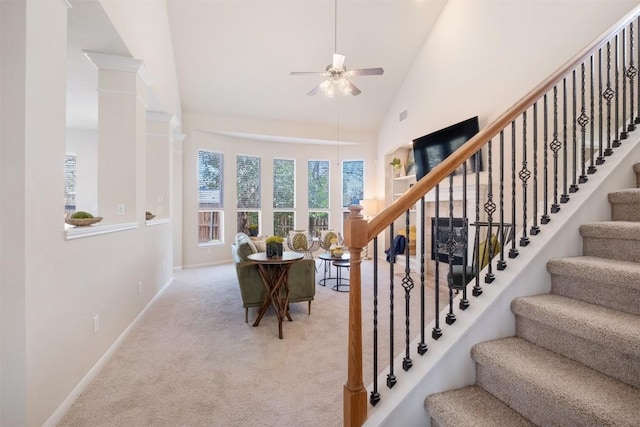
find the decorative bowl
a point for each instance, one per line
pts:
(149, 216)
(83, 222)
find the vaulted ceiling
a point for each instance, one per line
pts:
(233, 57)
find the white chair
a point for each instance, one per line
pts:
(300, 241)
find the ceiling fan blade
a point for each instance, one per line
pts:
(354, 90)
(309, 73)
(315, 90)
(338, 61)
(366, 72)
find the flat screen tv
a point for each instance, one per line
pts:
(431, 149)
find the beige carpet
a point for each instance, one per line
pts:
(193, 361)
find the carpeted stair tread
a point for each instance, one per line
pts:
(609, 327)
(604, 270)
(629, 195)
(624, 230)
(550, 389)
(636, 170)
(472, 406)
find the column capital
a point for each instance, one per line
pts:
(120, 63)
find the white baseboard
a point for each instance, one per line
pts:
(55, 418)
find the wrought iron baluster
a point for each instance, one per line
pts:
(555, 147)
(574, 186)
(422, 346)
(623, 48)
(637, 119)
(464, 302)
(600, 159)
(631, 73)
(545, 218)
(489, 208)
(592, 151)
(437, 332)
(477, 289)
(534, 228)
(565, 151)
(513, 252)
(502, 264)
(391, 377)
(524, 176)
(616, 124)
(451, 250)
(407, 284)
(583, 120)
(374, 397)
(608, 95)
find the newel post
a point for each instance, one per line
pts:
(355, 394)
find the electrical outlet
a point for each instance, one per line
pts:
(120, 209)
(139, 287)
(96, 324)
(160, 199)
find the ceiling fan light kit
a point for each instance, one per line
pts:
(336, 73)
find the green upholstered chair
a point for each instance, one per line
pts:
(302, 276)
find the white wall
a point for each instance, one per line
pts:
(482, 56)
(51, 288)
(201, 136)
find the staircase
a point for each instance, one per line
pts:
(575, 359)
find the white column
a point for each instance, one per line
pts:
(121, 136)
(176, 199)
(159, 154)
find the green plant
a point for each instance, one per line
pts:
(396, 163)
(81, 215)
(274, 239)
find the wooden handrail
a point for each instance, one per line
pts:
(458, 157)
(358, 232)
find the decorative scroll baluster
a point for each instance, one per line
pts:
(451, 250)
(608, 95)
(582, 121)
(374, 398)
(502, 264)
(592, 150)
(437, 332)
(422, 346)
(524, 176)
(565, 153)
(600, 159)
(555, 147)
(464, 302)
(407, 284)
(513, 252)
(631, 73)
(545, 218)
(574, 186)
(616, 124)
(534, 228)
(637, 119)
(391, 378)
(623, 48)
(489, 208)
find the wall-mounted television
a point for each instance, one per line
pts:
(431, 149)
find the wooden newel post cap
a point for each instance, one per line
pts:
(355, 228)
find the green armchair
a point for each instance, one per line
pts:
(302, 277)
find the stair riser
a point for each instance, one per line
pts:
(625, 212)
(609, 361)
(596, 292)
(526, 399)
(625, 250)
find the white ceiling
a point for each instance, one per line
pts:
(233, 57)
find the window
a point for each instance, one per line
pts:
(248, 182)
(318, 221)
(352, 182)
(70, 179)
(283, 223)
(318, 184)
(248, 222)
(210, 196)
(284, 183)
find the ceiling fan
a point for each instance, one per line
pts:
(336, 73)
(337, 81)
